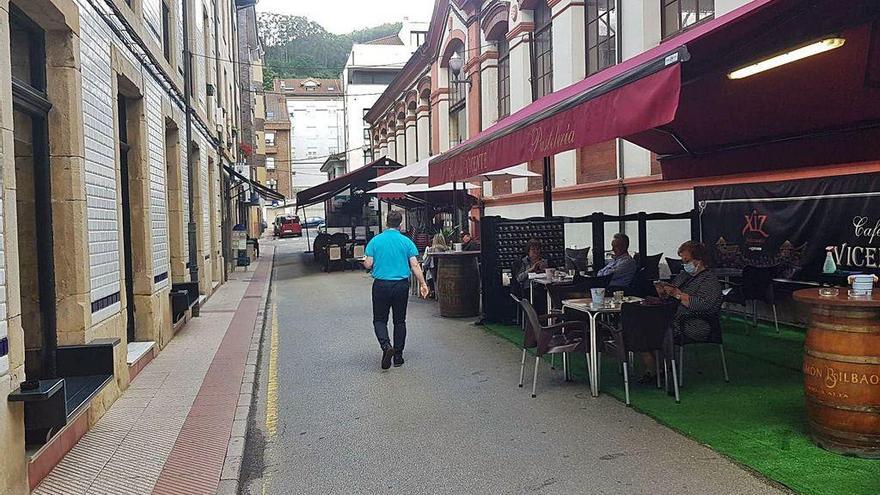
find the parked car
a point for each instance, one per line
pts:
(313, 222)
(289, 226)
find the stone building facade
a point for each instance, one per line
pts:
(97, 172)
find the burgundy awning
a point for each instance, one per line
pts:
(359, 178)
(677, 100)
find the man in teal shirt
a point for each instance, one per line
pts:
(392, 256)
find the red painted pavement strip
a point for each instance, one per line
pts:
(196, 461)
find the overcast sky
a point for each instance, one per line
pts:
(342, 16)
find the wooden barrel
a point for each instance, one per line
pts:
(842, 372)
(458, 285)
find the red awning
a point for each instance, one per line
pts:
(677, 100)
(359, 178)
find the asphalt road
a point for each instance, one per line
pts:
(451, 420)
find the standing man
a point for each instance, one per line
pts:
(392, 256)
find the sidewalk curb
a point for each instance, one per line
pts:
(231, 474)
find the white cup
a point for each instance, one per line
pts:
(598, 295)
(457, 247)
(549, 272)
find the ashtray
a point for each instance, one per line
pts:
(829, 292)
(858, 294)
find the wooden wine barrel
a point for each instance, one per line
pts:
(458, 284)
(842, 372)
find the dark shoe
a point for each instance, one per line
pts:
(398, 361)
(387, 354)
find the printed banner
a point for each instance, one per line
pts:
(794, 224)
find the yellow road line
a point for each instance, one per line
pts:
(272, 387)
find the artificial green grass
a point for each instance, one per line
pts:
(758, 419)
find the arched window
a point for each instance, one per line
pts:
(601, 35)
(503, 78)
(542, 51)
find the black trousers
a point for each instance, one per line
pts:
(390, 295)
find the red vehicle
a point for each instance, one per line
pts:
(290, 226)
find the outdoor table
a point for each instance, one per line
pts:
(458, 283)
(541, 279)
(593, 311)
(842, 371)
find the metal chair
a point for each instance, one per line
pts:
(559, 338)
(756, 285)
(643, 328)
(715, 337)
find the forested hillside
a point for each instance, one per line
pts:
(297, 47)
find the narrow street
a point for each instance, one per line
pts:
(451, 420)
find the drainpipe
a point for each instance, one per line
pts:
(621, 188)
(187, 103)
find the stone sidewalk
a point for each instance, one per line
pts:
(180, 427)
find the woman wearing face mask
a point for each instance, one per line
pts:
(699, 295)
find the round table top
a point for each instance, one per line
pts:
(454, 253)
(811, 296)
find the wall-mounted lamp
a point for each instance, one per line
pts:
(455, 64)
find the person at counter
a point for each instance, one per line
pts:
(622, 267)
(468, 243)
(429, 263)
(699, 297)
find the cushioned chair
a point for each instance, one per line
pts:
(675, 266)
(577, 259)
(652, 264)
(643, 328)
(558, 338)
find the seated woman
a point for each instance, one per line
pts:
(533, 262)
(429, 264)
(698, 292)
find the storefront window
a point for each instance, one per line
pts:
(503, 78)
(601, 34)
(542, 51)
(681, 14)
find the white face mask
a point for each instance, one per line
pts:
(690, 268)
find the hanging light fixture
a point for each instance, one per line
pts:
(803, 52)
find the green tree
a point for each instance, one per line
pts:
(296, 47)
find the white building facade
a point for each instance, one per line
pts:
(370, 68)
(317, 117)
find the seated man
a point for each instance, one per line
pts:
(622, 267)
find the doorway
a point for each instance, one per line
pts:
(34, 195)
(125, 187)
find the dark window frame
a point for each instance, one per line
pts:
(503, 77)
(675, 5)
(166, 31)
(457, 109)
(596, 46)
(542, 51)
